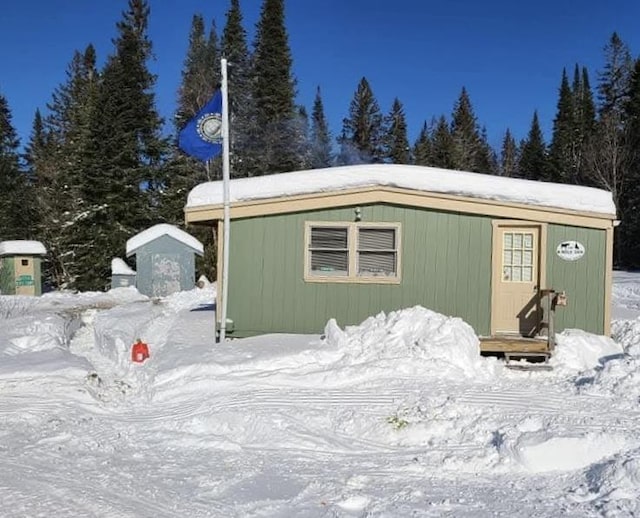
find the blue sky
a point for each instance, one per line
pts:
(508, 54)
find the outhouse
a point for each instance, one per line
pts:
(20, 267)
(121, 274)
(348, 242)
(165, 260)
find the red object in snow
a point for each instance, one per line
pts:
(139, 352)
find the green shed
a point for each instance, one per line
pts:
(349, 242)
(20, 267)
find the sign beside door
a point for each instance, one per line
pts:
(570, 250)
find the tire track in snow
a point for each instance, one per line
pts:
(583, 412)
(55, 489)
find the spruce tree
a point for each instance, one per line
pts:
(486, 158)
(467, 145)
(422, 148)
(15, 192)
(199, 79)
(362, 137)
(608, 153)
(60, 156)
(278, 140)
(442, 148)
(244, 131)
(585, 119)
(509, 155)
(613, 84)
(123, 191)
(200, 72)
(563, 145)
(630, 227)
(320, 135)
(396, 140)
(533, 163)
(42, 168)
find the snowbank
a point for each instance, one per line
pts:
(578, 350)
(424, 341)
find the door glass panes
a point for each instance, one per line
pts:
(518, 257)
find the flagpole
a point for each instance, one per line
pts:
(226, 201)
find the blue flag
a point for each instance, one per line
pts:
(202, 136)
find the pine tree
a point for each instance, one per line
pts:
(509, 155)
(397, 141)
(278, 137)
(563, 144)
(123, 191)
(15, 192)
(533, 163)
(442, 148)
(362, 135)
(422, 148)
(320, 135)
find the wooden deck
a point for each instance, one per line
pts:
(514, 345)
(535, 351)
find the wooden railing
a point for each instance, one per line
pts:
(549, 300)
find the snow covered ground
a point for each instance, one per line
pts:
(396, 417)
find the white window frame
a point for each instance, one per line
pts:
(352, 252)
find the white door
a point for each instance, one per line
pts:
(516, 275)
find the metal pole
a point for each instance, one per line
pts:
(226, 199)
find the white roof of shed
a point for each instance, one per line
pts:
(22, 247)
(146, 236)
(418, 178)
(119, 267)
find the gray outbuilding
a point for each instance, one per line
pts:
(165, 260)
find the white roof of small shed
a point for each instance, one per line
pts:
(22, 247)
(119, 267)
(152, 233)
(419, 178)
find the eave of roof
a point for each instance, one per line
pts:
(206, 214)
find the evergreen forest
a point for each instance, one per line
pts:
(98, 167)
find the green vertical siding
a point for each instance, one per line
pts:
(7, 276)
(37, 275)
(583, 280)
(446, 266)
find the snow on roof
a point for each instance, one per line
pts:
(119, 267)
(419, 178)
(157, 231)
(22, 247)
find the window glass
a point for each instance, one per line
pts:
(329, 263)
(329, 237)
(372, 253)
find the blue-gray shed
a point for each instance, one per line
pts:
(165, 260)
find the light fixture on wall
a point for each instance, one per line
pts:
(358, 214)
